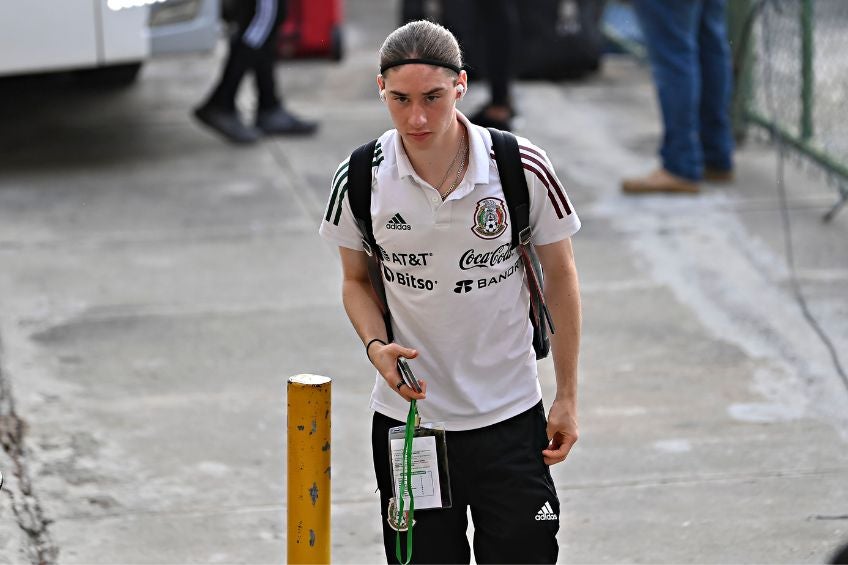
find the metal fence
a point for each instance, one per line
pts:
(792, 77)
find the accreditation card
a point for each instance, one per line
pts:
(430, 477)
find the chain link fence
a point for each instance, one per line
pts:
(792, 77)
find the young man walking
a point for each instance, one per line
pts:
(459, 309)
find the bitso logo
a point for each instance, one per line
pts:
(489, 218)
(463, 286)
(546, 513)
(398, 223)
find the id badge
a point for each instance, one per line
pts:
(430, 477)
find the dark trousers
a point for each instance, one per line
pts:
(499, 24)
(498, 471)
(252, 48)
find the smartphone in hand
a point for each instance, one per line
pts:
(407, 376)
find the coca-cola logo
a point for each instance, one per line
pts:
(471, 259)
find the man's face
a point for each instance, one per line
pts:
(421, 101)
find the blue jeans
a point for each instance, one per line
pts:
(690, 58)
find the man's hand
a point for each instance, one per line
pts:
(562, 432)
(384, 358)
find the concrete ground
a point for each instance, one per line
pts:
(158, 286)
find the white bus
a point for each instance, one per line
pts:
(109, 39)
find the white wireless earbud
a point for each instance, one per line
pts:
(383, 95)
(461, 89)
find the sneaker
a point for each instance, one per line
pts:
(718, 175)
(280, 122)
(659, 181)
(227, 124)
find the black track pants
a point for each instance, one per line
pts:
(252, 48)
(501, 33)
(498, 471)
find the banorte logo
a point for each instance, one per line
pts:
(463, 286)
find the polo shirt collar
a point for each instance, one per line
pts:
(478, 152)
(404, 167)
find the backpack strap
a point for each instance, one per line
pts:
(514, 184)
(517, 194)
(359, 192)
(359, 179)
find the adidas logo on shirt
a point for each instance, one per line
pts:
(398, 223)
(546, 513)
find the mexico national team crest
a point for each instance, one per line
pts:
(489, 218)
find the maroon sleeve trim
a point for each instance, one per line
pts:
(543, 167)
(541, 177)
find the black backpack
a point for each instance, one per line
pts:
(517, 195)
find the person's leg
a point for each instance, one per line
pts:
(266, 57)
(438, 536)
(716, 88)
(271, 116)
(514, 504)
(240, 58)
(670, 28)
(266, 84)
(219, 110)
(499, 19)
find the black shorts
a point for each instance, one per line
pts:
(499, 472)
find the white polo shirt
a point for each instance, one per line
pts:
(455, 290)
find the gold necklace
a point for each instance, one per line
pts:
(462, 151)
(458, 178)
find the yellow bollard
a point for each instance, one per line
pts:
(308, 532)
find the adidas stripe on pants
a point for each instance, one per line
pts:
(498, 471)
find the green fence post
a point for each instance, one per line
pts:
(807, 73)
(739, 23)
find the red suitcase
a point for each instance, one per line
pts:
(312, 28)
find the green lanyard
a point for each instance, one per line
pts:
(406, 484)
